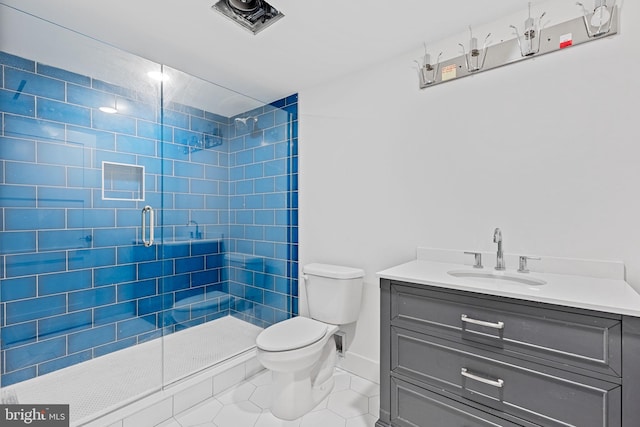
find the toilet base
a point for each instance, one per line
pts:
(294, 397)
(297, 393)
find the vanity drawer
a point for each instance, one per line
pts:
(531, 331)
(412, 406)
(543, 395)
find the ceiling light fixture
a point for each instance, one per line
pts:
(254, 15)
(108, 110)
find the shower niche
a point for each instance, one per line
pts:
(122, 182)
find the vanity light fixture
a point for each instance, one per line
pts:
(529, 43)
(476, 57)
(426, 71)
(598, 23)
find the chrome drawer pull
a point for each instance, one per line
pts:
(499, 325)
(498, 383)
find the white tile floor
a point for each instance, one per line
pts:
(354, 402)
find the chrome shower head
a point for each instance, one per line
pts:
(247, 125)
(244, 120)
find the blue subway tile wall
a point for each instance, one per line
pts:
(75, 280)
(262, 152)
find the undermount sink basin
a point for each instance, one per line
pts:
(489, 275)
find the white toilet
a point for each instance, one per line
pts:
(301, 351)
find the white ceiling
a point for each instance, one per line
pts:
(315, 42)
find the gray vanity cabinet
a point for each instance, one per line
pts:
(459, 359)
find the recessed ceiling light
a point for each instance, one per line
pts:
(158, 76)
(108, 110)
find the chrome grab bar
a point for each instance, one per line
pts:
(146, 242)
(495, 383)
(499, 325)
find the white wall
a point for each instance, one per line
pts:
(547, 149)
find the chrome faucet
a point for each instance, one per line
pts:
(197, 235)
(497, 238)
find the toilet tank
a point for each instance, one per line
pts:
(333, 292)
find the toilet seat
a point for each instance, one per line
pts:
(291, 334)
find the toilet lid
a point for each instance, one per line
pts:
(291, 334)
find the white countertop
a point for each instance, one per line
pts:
(592, 293)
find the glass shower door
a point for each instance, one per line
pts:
(136, 203)
(81, 166)
(197, 125)
(229, 221)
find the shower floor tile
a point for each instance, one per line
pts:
(106, 383)
(354, 402)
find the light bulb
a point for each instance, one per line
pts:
(158, 76)
(601, 16)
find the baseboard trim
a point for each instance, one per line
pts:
(360, 366)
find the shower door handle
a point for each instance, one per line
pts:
(147, 209)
